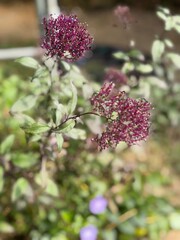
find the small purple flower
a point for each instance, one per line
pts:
(124, 15)
(116, 76)
(65, 37)
(88, 233)
(98, 205)
(128, 119)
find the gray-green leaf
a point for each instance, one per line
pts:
(28, 62)
(24, 104)
(36, 128)
(6, 144)
(157, 50)
(73, 102)
(1, 178)
(20, 188)
(60, 140)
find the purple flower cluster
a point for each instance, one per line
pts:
(65, 37)
(98, 205)
(116, 76)
(128, 119)
(123, 14)
(88, 233)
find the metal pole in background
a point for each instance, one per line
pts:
(43, 8)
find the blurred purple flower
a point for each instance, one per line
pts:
(116, 76)
(65, 37)
(128, 119)
(124, 15)
(88, 233)
(98, 205)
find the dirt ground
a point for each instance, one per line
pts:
(19, 24)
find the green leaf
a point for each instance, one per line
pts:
(28, 62)
(66, 127)
(6, 227)
(128, 67)
(7, 144)
(157, 50)
(121, 55)
(20, 188)
(144, 68)
(168, 43)
(161, 15)
(23, 160)
(175, 221)
(175, 58)
(77, 133)
(73, 102)
(23, 119)
(36, 128)
(60, 140)
(1, 179)
(24, 104)
(52, 188)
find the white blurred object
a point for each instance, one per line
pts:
(52, 7)
(12, 53)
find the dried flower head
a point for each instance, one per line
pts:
(124, 15)
(65, 37)
(128, 119)
(116, 76)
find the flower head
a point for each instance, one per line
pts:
(128, 119)
(89, 233)
(65, 37)
(123, 14)
(98, 205)
(116, 76)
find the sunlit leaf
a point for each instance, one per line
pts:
(77, 133)
(60, 140)
(121, 55)
(23, 160)
(144, 68)
(24, 104)
(28, 62)
(20, 188)
(36, 128)
(6, 227)
(157, 50)
(7, 144)
(175, 58)
(174, 219)
(66, 127)
(1, 179)
(73, 102)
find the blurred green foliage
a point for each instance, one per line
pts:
(50, 200)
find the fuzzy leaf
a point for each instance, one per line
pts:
(175, 58)
(23, 160)
(6, 144)
(28, 62)
(144, 68)
(121, 55)
(73, 102)
(65, 128)
(157, 50)
(20, 188)
(1, 178)
(77, 133)
(60, 140)
(24, 104)
(36, 128)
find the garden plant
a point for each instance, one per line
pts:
(62, 175)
